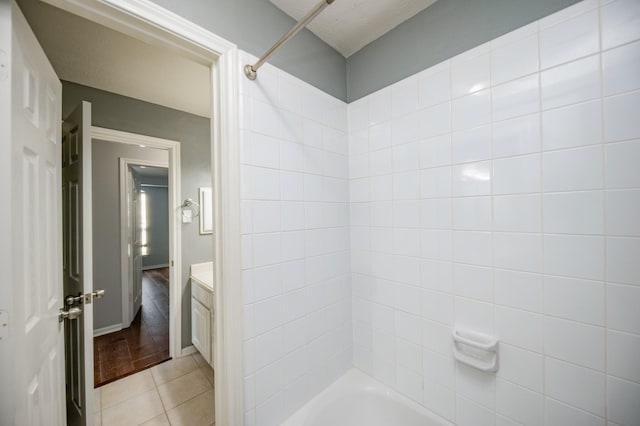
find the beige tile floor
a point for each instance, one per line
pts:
(176, 392)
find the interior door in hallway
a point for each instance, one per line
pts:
(31, 337)
(139, 241)
(78, 265)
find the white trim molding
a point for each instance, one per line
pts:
(175, 228)
(188, 350)
(149, 267)
(106, 330)
(149, 22)
(112, 135)
(125, 254)
(228, 335)
(153, 24)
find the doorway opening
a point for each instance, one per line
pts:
(155, 26)
(143, 340)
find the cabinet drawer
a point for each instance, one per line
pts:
(202, 295)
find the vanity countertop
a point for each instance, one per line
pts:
(202, 273)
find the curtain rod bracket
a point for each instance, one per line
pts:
(251, 71)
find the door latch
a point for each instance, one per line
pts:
(71, 314)
(84, 298)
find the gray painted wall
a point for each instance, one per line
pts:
(157, 227)
(254, 25)
(441, 31)
(131, 115)
(105, 158)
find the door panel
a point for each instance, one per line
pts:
(77, 277)
(49, 240)
(201, 328)
(134, 244)
(30, 256)
(31, 349)
(138, 244)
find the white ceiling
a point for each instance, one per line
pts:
(349, 25)
(86, 53)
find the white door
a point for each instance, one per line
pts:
(139, 242)
(31, 337)
(78, 265)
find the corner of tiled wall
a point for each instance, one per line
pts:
(500, 191)
(295, 240)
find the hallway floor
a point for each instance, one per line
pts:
(176, 392)
(142, 345)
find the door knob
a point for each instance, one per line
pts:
(71, 314)
(72, 300)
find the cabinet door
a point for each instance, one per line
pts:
(201, 328)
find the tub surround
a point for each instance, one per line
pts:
(495, 191)
(295, 242)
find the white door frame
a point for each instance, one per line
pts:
(150, 22)
(175, 228)
(125, 256)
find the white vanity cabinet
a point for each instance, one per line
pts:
(202, 309)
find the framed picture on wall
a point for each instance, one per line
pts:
(206, 215)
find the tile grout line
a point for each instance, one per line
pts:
(156, 388)
(451, 216)
(492, 233)
(604, 208)
(542, 227)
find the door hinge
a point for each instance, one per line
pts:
(4, 325)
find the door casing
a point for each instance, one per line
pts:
(149, 22)
(153, 24)
(175, 238)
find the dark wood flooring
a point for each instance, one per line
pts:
(142, 345)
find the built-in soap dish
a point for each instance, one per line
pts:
(477, 350)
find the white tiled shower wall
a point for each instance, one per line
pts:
(500, 191)
(295, 240)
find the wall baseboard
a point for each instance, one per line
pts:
(188, 350)
(106, 330)
(164, 265)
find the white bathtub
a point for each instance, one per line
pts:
(356, 399)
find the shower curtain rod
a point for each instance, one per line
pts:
(251, 71)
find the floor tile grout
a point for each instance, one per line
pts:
(198, 367)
